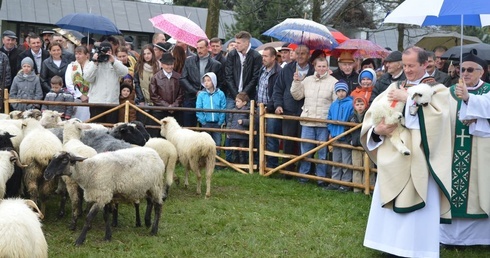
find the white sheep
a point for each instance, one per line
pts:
(72, 132)
(36, 150)
(51, 119)
(167, 152)
(7, 166)
(13, 127)
(130, 174)
(196, 151)
(391, 111)
(4, 116)
(20, 230)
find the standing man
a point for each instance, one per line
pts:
(46, 35)
(470, 195)
(35, 53)
(267, 79)
(411, 195)
(242, 69)
(195, 68)
(439, 76)
(285, 104)
(104, 78)
(9, 47)
(285, 54)
(394, 73)
(440, 64)
(158, 38)
(346, 71)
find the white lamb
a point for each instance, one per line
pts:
(167, 152)
(7, 166)
(196, 150)
(51, 119)
(392, 112)
(130, 174)
(20, 230)
(36, 150)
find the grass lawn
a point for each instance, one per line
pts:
(246, 216)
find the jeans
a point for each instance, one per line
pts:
(273, 125)
(215, 135)
(344, 156)
(189, 118)
(319, 134)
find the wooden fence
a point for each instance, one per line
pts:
(253, 131)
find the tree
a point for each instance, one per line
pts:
(257, 16)
(212, 21)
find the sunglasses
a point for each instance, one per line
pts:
(469, 69)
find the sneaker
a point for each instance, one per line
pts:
(331, 187)
(345, 189)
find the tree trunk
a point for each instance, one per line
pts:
(316, 11)
(212, 22)
(401, 35)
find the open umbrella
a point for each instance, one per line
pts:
(304, 32)
(442, 12)
(72, 35)
(446, 39)
(338, 36)
(361, 48)
(88, 23)
(482, 51)
(179, 27)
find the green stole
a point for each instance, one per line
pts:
(461, 167)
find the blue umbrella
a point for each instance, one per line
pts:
(442, 12)
(253, 41)
(88, 23)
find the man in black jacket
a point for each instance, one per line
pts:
(394, 72)
(9, 40)
(219, 55)
(35, 52)
(194, 69)
(346, 71)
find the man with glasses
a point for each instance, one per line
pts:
(412, 193)
(470, 194)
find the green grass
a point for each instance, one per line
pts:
(246, 216)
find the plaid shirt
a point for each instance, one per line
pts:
(262, 91)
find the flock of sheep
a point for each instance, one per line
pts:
(40, 156)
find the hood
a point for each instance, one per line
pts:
(30, 77)
(213, 79)
(371, 71)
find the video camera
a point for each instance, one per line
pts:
(101, 50)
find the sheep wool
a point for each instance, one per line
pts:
(20, 231)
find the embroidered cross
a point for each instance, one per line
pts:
(462, 136)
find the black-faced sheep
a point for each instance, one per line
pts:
(196, 151)
(130, 174)
(8, 160)
(20, 230)
(128, 132)
(36, 150)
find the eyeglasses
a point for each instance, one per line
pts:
(469, 69)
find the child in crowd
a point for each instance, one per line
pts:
(367, 80)
(239, 121)
(211, 98)
(360, 107)
(127, 93)
(26, 85)
(340, 110)
(57, 93)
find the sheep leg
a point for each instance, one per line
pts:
(197, 170)
(115, 215)
(61, 212)
(211, 162)
(137, 211)
(149, 207)
(88, 224)
(77, 207)
(186, 180)
(398, 143)
(158, 214)
(108, 231)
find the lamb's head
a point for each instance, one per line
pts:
(60, 163)
(421, 94)
(168, 124)
(15, 115)
(50, 119)
(141, 127)
(128, 132)
(73, 128)
(32, 113)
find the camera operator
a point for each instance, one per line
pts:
(103, 72)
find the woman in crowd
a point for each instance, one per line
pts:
(122, 55)
(146, 67)
(56, 64)
(179, 55)
(75, 83)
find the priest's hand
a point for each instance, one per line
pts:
(384, 129)
(462, 91)
(400, 95)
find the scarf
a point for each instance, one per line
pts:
(77, 78)
(145, 81)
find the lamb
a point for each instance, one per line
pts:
(129, 173)
(36, 150)
(196, 150)
(102, 141)
(168, 154)
(392, 112)
(20, 230)
(129, 133)
(50, 119)
(7, 168)
(72, 132)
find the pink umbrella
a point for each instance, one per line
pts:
(179, 27)
(361, 48)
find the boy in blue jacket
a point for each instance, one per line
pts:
(211, 98)
(340, 110)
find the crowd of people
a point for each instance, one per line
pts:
(412, 193)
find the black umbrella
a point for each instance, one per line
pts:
(482, 50)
